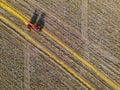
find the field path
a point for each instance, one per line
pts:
(84, 27)
(27, 54)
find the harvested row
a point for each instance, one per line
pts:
(104, 35)
(49, 53)
(96, 58)
(85, 74)
(53, 71)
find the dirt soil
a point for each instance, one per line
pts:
(90, 27)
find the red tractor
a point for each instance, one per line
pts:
(37, 23)
(34, 27)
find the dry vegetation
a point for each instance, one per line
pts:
(23, 66)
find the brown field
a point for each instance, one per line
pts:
(91, 28)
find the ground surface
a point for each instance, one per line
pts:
(89, 27)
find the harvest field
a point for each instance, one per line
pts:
(78, 49)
